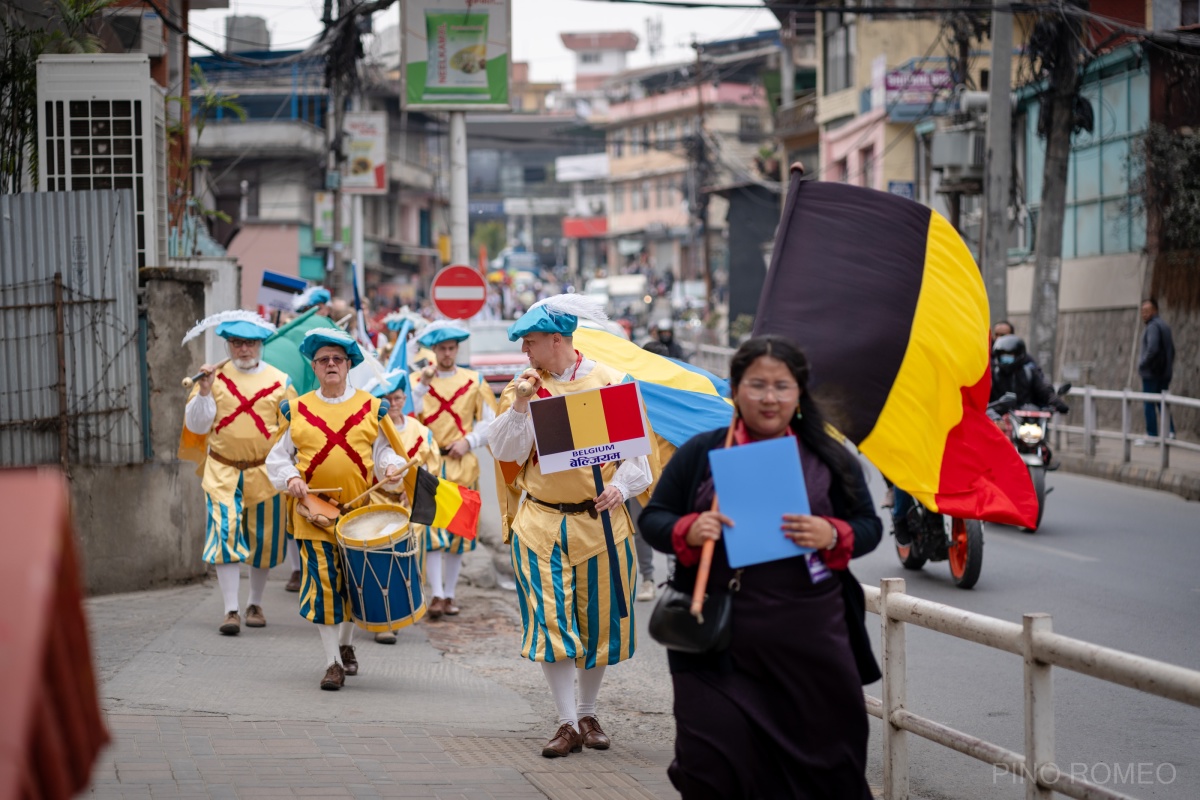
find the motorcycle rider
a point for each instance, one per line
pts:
(665, 331)
(1014, 370)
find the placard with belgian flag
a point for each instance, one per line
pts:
(589, 428)
(885, 299)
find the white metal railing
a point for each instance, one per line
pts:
(1042, 649)
(1091, 432)
(713, 358)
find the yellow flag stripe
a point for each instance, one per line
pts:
(952, 310)
(449, 501)
(641, 364)
(585, 410)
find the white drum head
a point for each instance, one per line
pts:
(373, 525)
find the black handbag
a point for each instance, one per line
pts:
(673, 626)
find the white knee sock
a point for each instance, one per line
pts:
(329, 640)
(229, 577)
(453, 562)
(258, 583)
(589, 690)
(293, 555)
(346, 634)
(561, 677)
(433, 571)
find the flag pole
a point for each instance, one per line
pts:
(614, 567)
(706, 550)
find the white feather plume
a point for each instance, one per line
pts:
(368, 372)
(304, 299)
(405, 313)
(577, 305)
(237, 315)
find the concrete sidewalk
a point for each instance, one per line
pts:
(200, 715)
(1182, 477)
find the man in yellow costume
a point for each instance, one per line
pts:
(458, 406)
(337, 437)
(569, 602)
(231, 421)
(419, 448)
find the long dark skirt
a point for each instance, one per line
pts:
(784, 715)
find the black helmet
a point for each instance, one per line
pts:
(1008, 350)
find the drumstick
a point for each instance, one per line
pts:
(349, 503)
(315, 491)
(706, 550)
(187, 382)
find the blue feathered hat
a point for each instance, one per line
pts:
(312, 296)
(558, 314)
(236, 324)
(394, 381)
(442, 331)
(317, 338)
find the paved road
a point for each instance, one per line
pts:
(1114, 565)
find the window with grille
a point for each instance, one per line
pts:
(100, 144)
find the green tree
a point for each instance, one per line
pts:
(491, 235)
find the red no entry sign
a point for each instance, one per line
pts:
(459, 292)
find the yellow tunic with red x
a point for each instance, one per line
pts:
(245, 513)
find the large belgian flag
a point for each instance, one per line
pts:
(887, 302)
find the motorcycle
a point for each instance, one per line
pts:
(940, 537)
(1026, 429)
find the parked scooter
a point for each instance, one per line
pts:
(1026, 429)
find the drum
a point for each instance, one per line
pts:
(382, 563)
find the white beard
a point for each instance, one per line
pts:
(245, 364)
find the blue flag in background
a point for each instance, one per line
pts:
(399, 360)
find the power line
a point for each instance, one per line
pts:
(1011, 8)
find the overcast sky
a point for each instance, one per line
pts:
(536, 26)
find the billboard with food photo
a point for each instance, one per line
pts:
(456, 54)
(365, 168)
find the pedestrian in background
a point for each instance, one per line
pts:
(1156, 363)
(780, 712)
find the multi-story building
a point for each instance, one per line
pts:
(672, 131)
(266, 174)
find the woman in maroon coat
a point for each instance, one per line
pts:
(780, 713)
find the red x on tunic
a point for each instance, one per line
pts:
(246, 406)
(446, 406)
(333, 439)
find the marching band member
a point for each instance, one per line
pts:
(230, 423)
(418, 446)
(336, 437)
(566, 593)
(458, 406)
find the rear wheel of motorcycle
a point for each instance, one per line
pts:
(966, 552)
(908, 559)
(1038, 476)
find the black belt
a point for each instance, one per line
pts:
(444, 451)
(587, 506)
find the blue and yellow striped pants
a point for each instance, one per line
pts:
(442, 539)
(235, 534)
(571, 612)
(322, 583)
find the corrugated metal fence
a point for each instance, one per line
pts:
(70, 378)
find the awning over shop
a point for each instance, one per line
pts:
(585, 227)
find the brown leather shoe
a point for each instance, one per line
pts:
(255, 618)
(566, 741)
(435, 608)
(592, 735)
(386, 637)
(335, 678)
(346, 651)
(293, 584)
(449, 608)
(232, 624)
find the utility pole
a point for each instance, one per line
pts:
(1058, 120)
(999, 167)
(701, 158)
(460, 245)
(962, 78)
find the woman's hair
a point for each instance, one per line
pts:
(811, 427)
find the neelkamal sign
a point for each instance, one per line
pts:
(589, 429)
